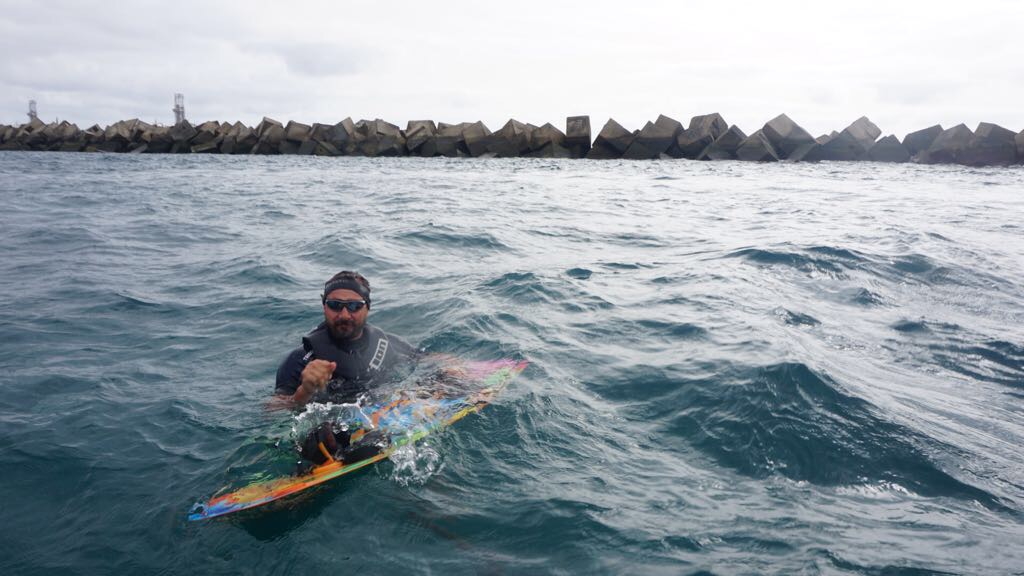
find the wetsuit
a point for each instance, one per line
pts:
(362, 364)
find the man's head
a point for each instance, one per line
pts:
(346, 300)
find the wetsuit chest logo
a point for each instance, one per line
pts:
(378, 356)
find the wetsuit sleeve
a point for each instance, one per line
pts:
(289, 373)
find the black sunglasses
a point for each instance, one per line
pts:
(352, 306)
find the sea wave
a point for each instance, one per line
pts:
(733, 367)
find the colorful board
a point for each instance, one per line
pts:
(404, 418)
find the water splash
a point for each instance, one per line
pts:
(415, 463)
(341, 415)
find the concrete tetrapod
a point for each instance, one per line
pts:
(889, 149)
(992, 145)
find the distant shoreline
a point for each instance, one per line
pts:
(707, 137)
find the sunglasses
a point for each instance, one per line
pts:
(352, 306)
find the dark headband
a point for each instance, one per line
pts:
(347, 284)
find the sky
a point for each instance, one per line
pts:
(905, 64)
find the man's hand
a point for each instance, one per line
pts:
(321, 434)
(315, 376)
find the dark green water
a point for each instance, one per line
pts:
(735, 368)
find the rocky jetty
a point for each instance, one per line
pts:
(786, 136)
(611, 142)
(919, 141)
(707, 137)
(947, 146)
(757, 148)
(991, 145)
(725, 146)
(701, 133)
(577, 135)
(654, 140)
(889, 149)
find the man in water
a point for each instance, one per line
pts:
(344, 356)
(339, 360)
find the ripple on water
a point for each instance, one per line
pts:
(579, 273)
(253, 271)
(789, 420)
(527, 288)
(449, 239)
(791, 259)
(795, 318)
(995, 361)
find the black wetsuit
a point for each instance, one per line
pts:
(361, 364)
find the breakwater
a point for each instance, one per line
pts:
(708, 137)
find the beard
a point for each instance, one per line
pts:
(345, 329)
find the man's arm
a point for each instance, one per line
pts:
(299, 380)
(289, 373)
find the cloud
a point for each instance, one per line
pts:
(314, 59)
(904, 64)
(321, 60)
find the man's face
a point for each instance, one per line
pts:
(345, 325)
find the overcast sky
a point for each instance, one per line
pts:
(904, 64)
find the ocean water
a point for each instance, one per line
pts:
(734, 368)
